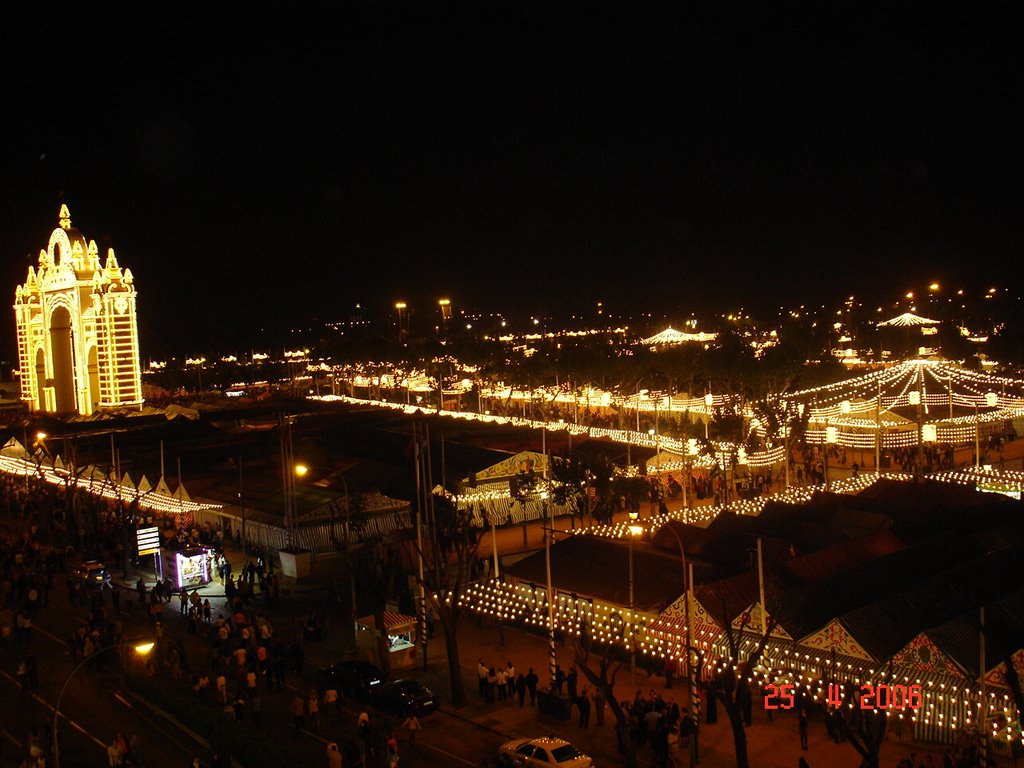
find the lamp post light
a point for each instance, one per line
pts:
(639, 393)
(142, 649)
(991, 400)
(446, 314)
(914, 398)
(289, 471)
(399, 306)
(548, 530)
(635, 529)
(690, 677)
(831, 438)
(692, 449)
(786, 429)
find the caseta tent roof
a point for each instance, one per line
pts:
(907, 320)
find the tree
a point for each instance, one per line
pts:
(450, 572)
(603, 678)
(731, 684)
(863, 728)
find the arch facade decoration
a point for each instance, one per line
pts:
(77, 329)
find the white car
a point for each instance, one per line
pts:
(547, 751)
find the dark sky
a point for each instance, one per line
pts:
(252, 170)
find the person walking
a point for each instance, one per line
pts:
(510, 680)
(333, 756)
(314, 710)
(391, 750)
(531, 686)
(501, 682)
(222, 689)
(367, 737)
(571, 682)
(481, 677)
(331, 703)
(489, 685)
(802, 719)
(114, 755)
(412, 725)
(583, 705)
(520, 686)
(298, 710)
(135, 749)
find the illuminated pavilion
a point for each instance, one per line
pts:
(78, 339)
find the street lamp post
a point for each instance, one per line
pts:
(991, 400)
(446, 314)
(399, 306)
(635, 529)
(142, 649)
(709, 402)
(787, 428)
(548, 530)
(831, 438)
(914, 397)
(289, 471)
(690, 678)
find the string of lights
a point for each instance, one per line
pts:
(105, 488)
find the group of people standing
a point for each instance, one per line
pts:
(504, 683)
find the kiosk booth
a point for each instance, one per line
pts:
(401, 640)
(189, 567)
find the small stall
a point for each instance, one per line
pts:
(401, 640)
(189, 567)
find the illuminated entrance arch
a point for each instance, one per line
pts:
(78, 341)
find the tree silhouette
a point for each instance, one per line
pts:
(450, 569)
(730, 685)
(603, 677)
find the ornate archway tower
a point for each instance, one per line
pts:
(78, 339)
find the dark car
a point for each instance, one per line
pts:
(353, 678)
(404, 697)
(93, 574)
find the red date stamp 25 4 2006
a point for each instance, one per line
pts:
(870, 697)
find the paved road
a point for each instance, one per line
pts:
(97, 706)
(94, 710)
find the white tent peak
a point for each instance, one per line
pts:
(671, 336)
(907, 320)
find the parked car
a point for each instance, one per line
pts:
(545, 751)
(353, 677)
(93, 573)
(402, 697)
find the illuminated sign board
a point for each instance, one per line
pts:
(148, 540)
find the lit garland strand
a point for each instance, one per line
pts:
(643, 439)
(107, 489)
(946, 703)
(844, 405)
(705, 514)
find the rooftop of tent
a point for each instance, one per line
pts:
(657, 575)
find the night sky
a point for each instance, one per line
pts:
(257, 170)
